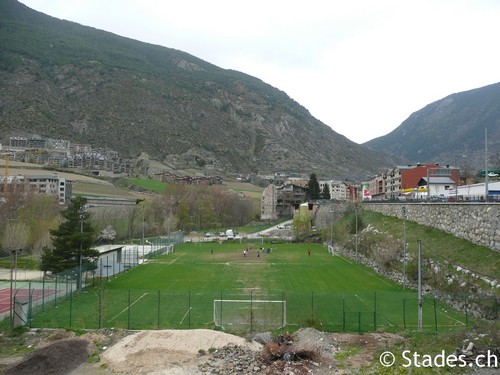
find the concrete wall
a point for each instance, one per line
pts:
(476, 222)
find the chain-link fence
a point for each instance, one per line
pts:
(100, 306)
(21, 300)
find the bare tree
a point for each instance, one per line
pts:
(15, 236)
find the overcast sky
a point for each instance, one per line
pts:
(360, 66)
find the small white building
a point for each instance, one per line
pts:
(474, 191)
(437, 186)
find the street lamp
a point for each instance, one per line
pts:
(403, 210)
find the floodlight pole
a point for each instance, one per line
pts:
(81, 249)
(356, 206)
(486, 188)
(403, 209)
(143, 232)
(419, 285)
(331, 229)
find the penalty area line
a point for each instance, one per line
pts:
(126, 308)
(184, 317)
(176, 259)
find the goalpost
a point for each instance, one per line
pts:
(249, 314)
(331, 250)
(169, 249)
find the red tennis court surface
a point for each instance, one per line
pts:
(22, 294)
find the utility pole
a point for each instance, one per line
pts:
(142, 232)
(356, 206)
(419, 285)
(331, 228)
(486, 189)
(82, 212)
(403, 209)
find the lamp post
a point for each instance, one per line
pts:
(403, 210)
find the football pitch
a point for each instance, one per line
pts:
(215, 284)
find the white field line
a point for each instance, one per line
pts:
(371, 308)
(171, 285)
(126, 308)
(176, 259)
(456, 320)
(184, 317)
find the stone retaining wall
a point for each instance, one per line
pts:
(475, 222)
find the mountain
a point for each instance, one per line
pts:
(63, 80)
(449, 131)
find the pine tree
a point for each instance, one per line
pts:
(72, 240)
(325, 194)
(313, 190)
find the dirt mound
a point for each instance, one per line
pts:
(150, 351)
(59, 357)
(199, 351)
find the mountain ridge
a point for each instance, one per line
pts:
(450, 130)
(90, 86)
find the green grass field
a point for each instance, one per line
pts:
(178, 291)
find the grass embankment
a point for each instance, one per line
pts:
(436, 244)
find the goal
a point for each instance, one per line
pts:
(169, 249)
(249, 314)
(331, 250)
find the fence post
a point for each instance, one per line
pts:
(312, 304)
(359, 321)
(158, 309)
(189, 314)
(404, 313)
(70, 306)
(43, 292)
(251, 311)
(466, 313)
(100, 305)
(435, 314)
(128, 311)
(30, 304)
(343, 314)
(221, 308)
(374, 311)
(282, 309)
(55, 293)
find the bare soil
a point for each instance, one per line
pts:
(188, 352)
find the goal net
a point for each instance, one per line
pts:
(249, 314)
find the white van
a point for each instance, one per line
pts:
(230, 234)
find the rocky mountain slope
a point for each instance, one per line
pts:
(450, 130)
(63, 80)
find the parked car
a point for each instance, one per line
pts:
(209, 234)
(222, 234)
